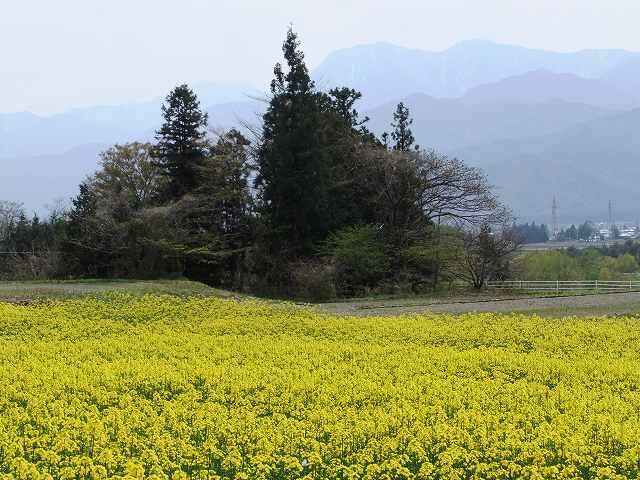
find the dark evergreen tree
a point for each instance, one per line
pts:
(294, 159)
(181, 145)
(84, 207)
(402, 134)
(384, 139)
(85, 248)
(343, 102)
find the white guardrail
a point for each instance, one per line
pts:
(568, 285)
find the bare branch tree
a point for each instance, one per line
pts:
(412, 188)
(9, 215)
(452, 190)
(484, 253)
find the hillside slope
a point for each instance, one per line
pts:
(545, 86)
(584, 166)
(448, 124)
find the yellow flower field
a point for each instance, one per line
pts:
(159, 387)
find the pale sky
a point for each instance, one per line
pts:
(58, 54)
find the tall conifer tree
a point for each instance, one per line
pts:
(402, 134)
(181, 140)
(294, 158)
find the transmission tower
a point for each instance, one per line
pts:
(554, 214)
(611, 225)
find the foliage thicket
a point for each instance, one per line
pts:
(207, 388)
(585, 231)
(532, 233)
(273, 213)
(574, 264)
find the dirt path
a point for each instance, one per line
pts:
(587, 305)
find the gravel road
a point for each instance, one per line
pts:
(586, 305)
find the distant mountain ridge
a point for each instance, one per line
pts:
(545, 86)
(26, 134)
(529, 105)
(519, 113)
(384, 71)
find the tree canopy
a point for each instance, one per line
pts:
(316, 205)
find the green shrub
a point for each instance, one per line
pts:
(588, 264)
(360, 260)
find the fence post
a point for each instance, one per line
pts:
(596, 285)
(557, 286)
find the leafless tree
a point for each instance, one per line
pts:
(396, 186)
(454, 191)
(414, 188)
(58, 209)
(484, 253)
(9, 215)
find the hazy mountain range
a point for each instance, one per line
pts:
(540, 123)
(29, 134)
(584, 166)
(382, 70)
(527, 105)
